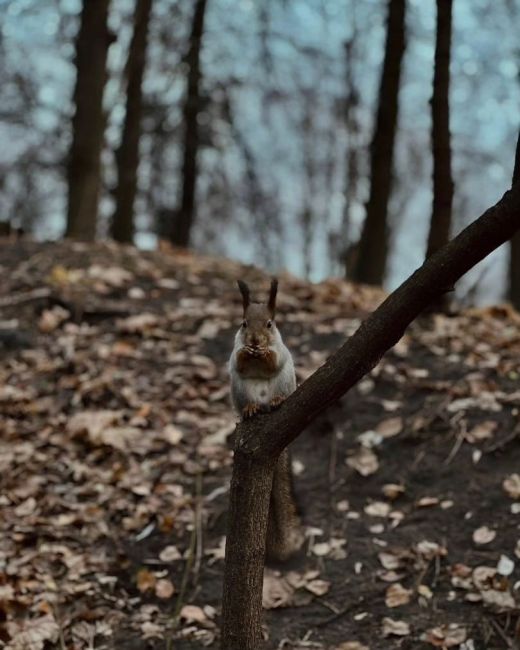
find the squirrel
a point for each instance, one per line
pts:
(262, 376)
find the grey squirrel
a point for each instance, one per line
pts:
(262, 376)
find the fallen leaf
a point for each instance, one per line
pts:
(389, 560)
(170, 554)
(511, 485)
(370, 439)
(51, 319)
(138, 324)
(481, 431)
(446, 636)
(115, 276)
(92, 422)
(396, 595)
(483, 577)
(276, 591)
(377, 509)
(193, 614)
(430, 550)
(395, 628)
(321, 549)
(390, 427)
(33, 634)
(318, 587)
(393, 490)
(425, 591)
(501, 600)
(164, 588)
(172, 434)
(146, 580)
(505, 566)
(152, 630)
(427, 502)
(483, 535)
(365, 462)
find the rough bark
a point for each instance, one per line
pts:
(127, 156)
(185, 215)
(514, 251)
(88, 123)
(373, 245)
(261, 439)
(440, 223)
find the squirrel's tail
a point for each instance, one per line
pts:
(284, 532)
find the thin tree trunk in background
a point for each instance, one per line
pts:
(260, 440)
(185, 216)
(440, 224)
(88, 123)
(373, 245)
(127, 156)
(514, 253)
(349, 247)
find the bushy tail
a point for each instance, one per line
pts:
(284, 531)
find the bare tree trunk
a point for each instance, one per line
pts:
(514, 252)
(127, 156)
(185, 216)
(352, 158)
(88, 124)
(373, 245)
(440, 223)
(260, 440)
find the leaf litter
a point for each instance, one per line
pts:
(115, 461)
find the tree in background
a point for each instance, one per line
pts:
(127, 156)
(370, 265)
(440, 224)
(514, 254)
(352, 101)
(88, 124)
(185, 216)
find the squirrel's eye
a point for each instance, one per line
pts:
(269, 324)
(244, 324)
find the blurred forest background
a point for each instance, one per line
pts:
(263, 131)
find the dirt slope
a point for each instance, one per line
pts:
(114, 414)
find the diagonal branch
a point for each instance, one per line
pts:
(382, 329)
(261, 439)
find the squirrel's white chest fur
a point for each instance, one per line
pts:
(260, 391)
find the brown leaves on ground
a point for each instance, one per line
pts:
(291, 589)
(115, 460)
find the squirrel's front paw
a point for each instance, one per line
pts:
(276, 401)
(249, 410)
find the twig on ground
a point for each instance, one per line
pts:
(25, 296)
(192, 551)
(198, 526)
(461, 435)
(507, 640)
(500, 444)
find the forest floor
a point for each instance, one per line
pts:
(114, 463)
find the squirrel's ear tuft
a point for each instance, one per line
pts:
(272, 297)
(246, 297)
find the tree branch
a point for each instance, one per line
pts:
(266, 435)
(261, 439)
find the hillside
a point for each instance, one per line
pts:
(114, 463)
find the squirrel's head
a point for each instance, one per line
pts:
(258, 329)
